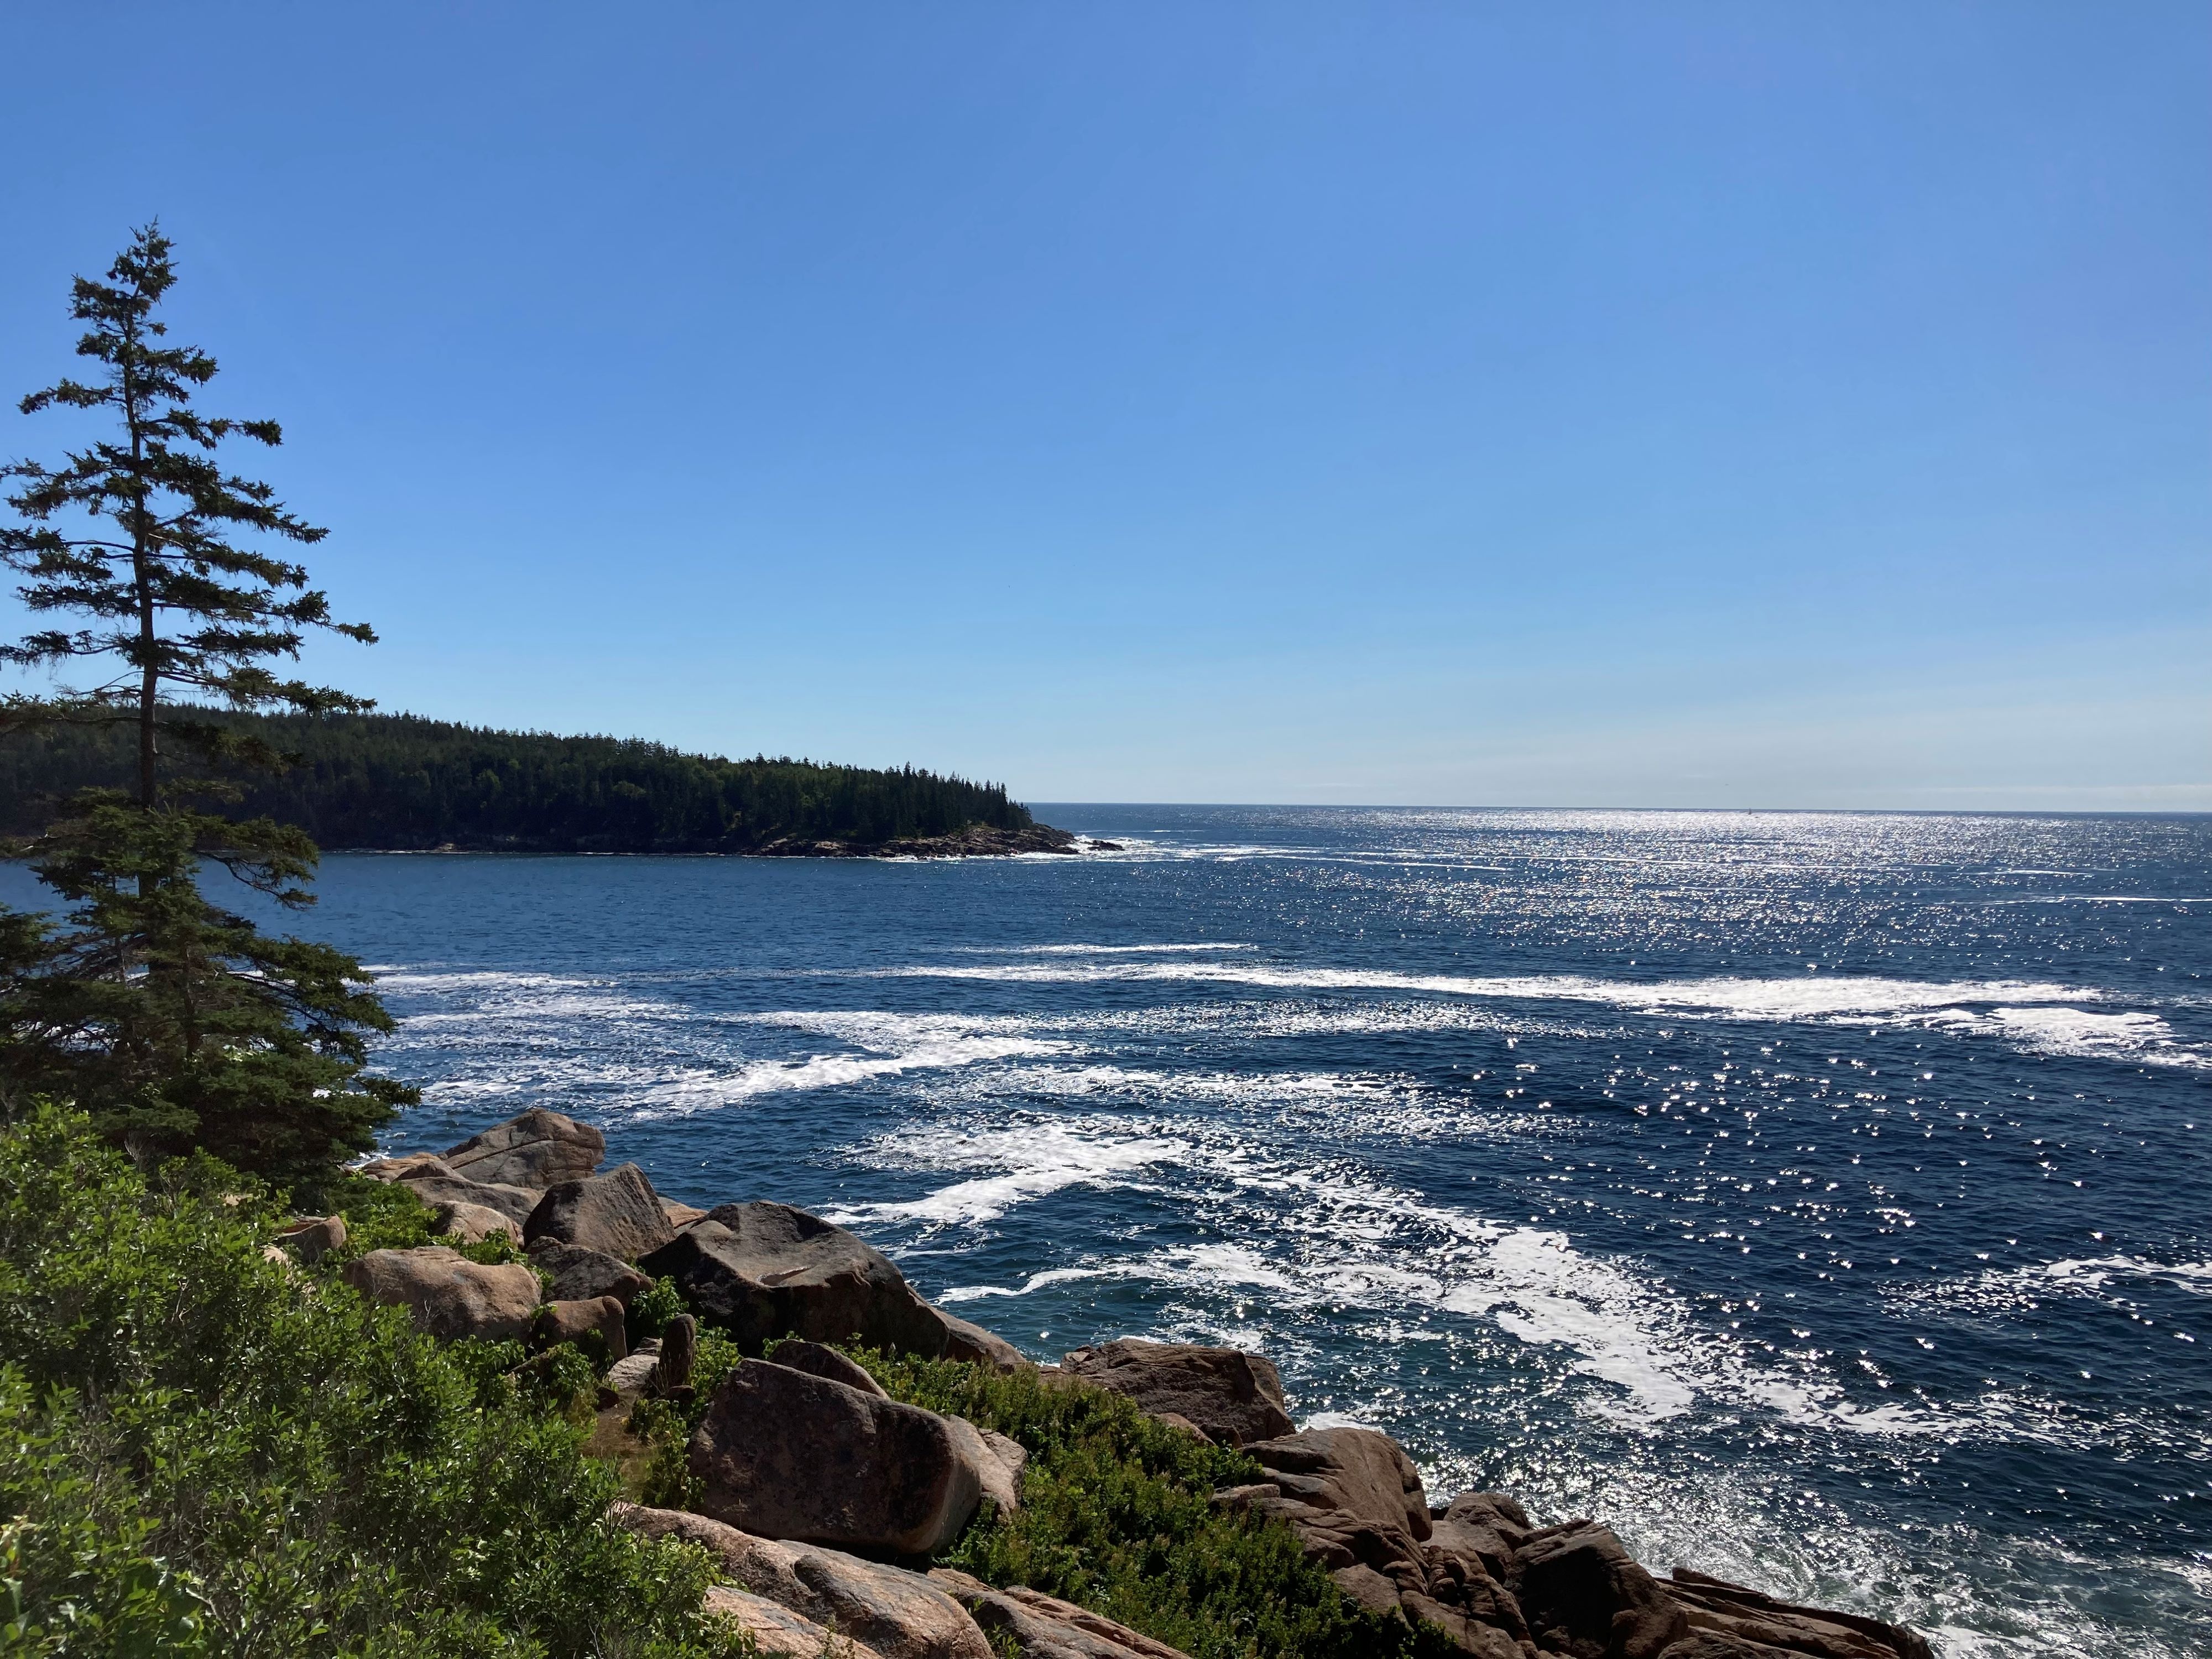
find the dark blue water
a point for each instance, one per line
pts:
(1822, 1199)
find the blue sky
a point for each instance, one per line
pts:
(1701, 404)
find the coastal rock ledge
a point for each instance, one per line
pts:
(807, 1469)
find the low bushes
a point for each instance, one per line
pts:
(207, 1452)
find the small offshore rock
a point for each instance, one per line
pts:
(787, 1455)
(536, 1149)
(449, 1296)
(1041, 1626)
(1742, 1619)
(899, 1614)
(616, 1215)
(1233, 1396)
(571, 1321)
(579, 1275)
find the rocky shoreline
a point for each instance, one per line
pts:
(974, 841)
(822, 1498)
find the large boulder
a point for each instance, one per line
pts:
(1357, 1504)
(899, 1614)
(1728, 1621)
(515, 1203)
(449, 1295)
(1233, 1396)
(777, 1632)
(312, 1240)
(1041, 1626)
(788, 1455)
(818, 1360)
(538, 1149)
(762, 1271)
(1581, 1590)
(579, 1275)
(616, 1215)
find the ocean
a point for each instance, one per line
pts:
(1820, 1199)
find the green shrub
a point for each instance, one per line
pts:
(1116, 1515)
(651, 1310)
(202, 1453)
(387, 1215)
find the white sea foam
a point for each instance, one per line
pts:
(1312, 1239)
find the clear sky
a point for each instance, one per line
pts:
(1729, 404)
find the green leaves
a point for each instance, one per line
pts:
(140, 533)
(203, 1451)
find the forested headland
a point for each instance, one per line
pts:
(402, 783)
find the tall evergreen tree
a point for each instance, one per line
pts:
(175, 1021)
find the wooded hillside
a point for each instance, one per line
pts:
(401, 782)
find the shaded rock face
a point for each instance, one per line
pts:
(978, 1346)
(449, 1295)
(538, 1149)
(679, 1352)
(616, 1215)
(899, 1614)
(1583, 1593)
(515, 1203)
(1233, 1396)
(1356, 1502)
(580, 1275)
(777, 1630)
(762, 1271)
(1041, 1626)
(569, 1322)
(787, 1455)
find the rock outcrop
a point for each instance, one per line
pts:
(899, 1614)
(1041, 1626)
(817, 1360)
(1234, 1397)
(762, 1270)
(579, 1275)
(978, 1346)
(472, 1224)
(777, 1632)
(1728, 1621)
(515, 1203)
(449, 1295)
(538, 1149)
(789, 1455)
(617, 1214)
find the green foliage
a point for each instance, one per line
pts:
(1117, 1515)
(666, 1427)
(176, 1022)
(387, 1215)
(394, 780)
(651, 1310)
(199, 1454)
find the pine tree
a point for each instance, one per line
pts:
(176, 1022)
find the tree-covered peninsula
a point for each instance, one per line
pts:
(399, 782)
